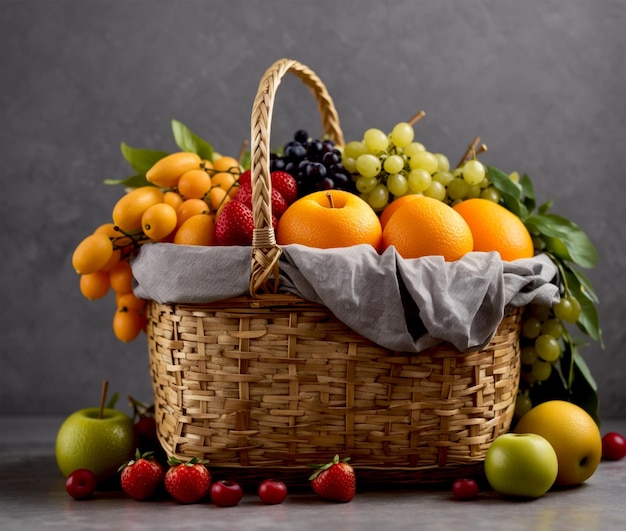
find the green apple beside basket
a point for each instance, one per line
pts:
(266, 384)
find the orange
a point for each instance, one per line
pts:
(197, 230)
(329, 219)
(391, 208)
(427, 227)
(494, 228)
(573, 434)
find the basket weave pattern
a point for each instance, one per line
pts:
(269, 386)
(272, 381)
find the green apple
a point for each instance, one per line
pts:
(523, 465)
(99, 444)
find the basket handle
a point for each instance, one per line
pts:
(265, 250)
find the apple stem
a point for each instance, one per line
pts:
(417, 117)
(103, 397)
(330, 199)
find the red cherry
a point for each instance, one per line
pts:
(272, 491)
(81, 484)
(465, 489)
(226, 493)
(613, 446)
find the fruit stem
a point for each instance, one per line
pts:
(103, 397)
(471, 150)
(416, 118)
(244, 146)
(330, 199)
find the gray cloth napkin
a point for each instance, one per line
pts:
(405, 305)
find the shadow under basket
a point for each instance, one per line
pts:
(265, 387)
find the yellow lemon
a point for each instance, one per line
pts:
(573, 434)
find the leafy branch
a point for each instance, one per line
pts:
(570, 249)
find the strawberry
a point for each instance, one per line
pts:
(279, 203)
(234, 224)
(334, 481)
(187, 482)
(285, 184)
(142, 476)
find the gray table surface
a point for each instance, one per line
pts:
(32, 497)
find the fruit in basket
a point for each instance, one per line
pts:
(334, 481)
(95, 285)
(327, 219)
(127, 324)
(198, 229)
(234, 225)
(195, 184)
(81, 484)
(391, 208)
(225, 493)
(159, 221)
(284, 191)
(92, 254)
(129, 209)
(142, 476)
(97, 443)
(272, 491)
(315, 164)
(187, 482)
(613, 446)
(426, 227)
(521, 465)
(573, 434)
(494, 228)
(166, 172)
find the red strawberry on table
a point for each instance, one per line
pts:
(142, 476)
(187, 482)
(334, 481)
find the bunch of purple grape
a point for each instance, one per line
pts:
(315, 164)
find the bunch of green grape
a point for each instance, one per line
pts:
(387, 166)
(542, 341)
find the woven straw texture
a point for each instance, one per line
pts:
(271, 382)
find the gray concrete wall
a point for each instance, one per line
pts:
(542, 83)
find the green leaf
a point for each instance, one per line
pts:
(112, 401)
(245, 161)
(135, 181)
(141, 160)
(584, 392)
(578, 245)
(528, 192)
(511, 192)
(187, 140)
(589, 321)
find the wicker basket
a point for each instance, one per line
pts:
(269, 383)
